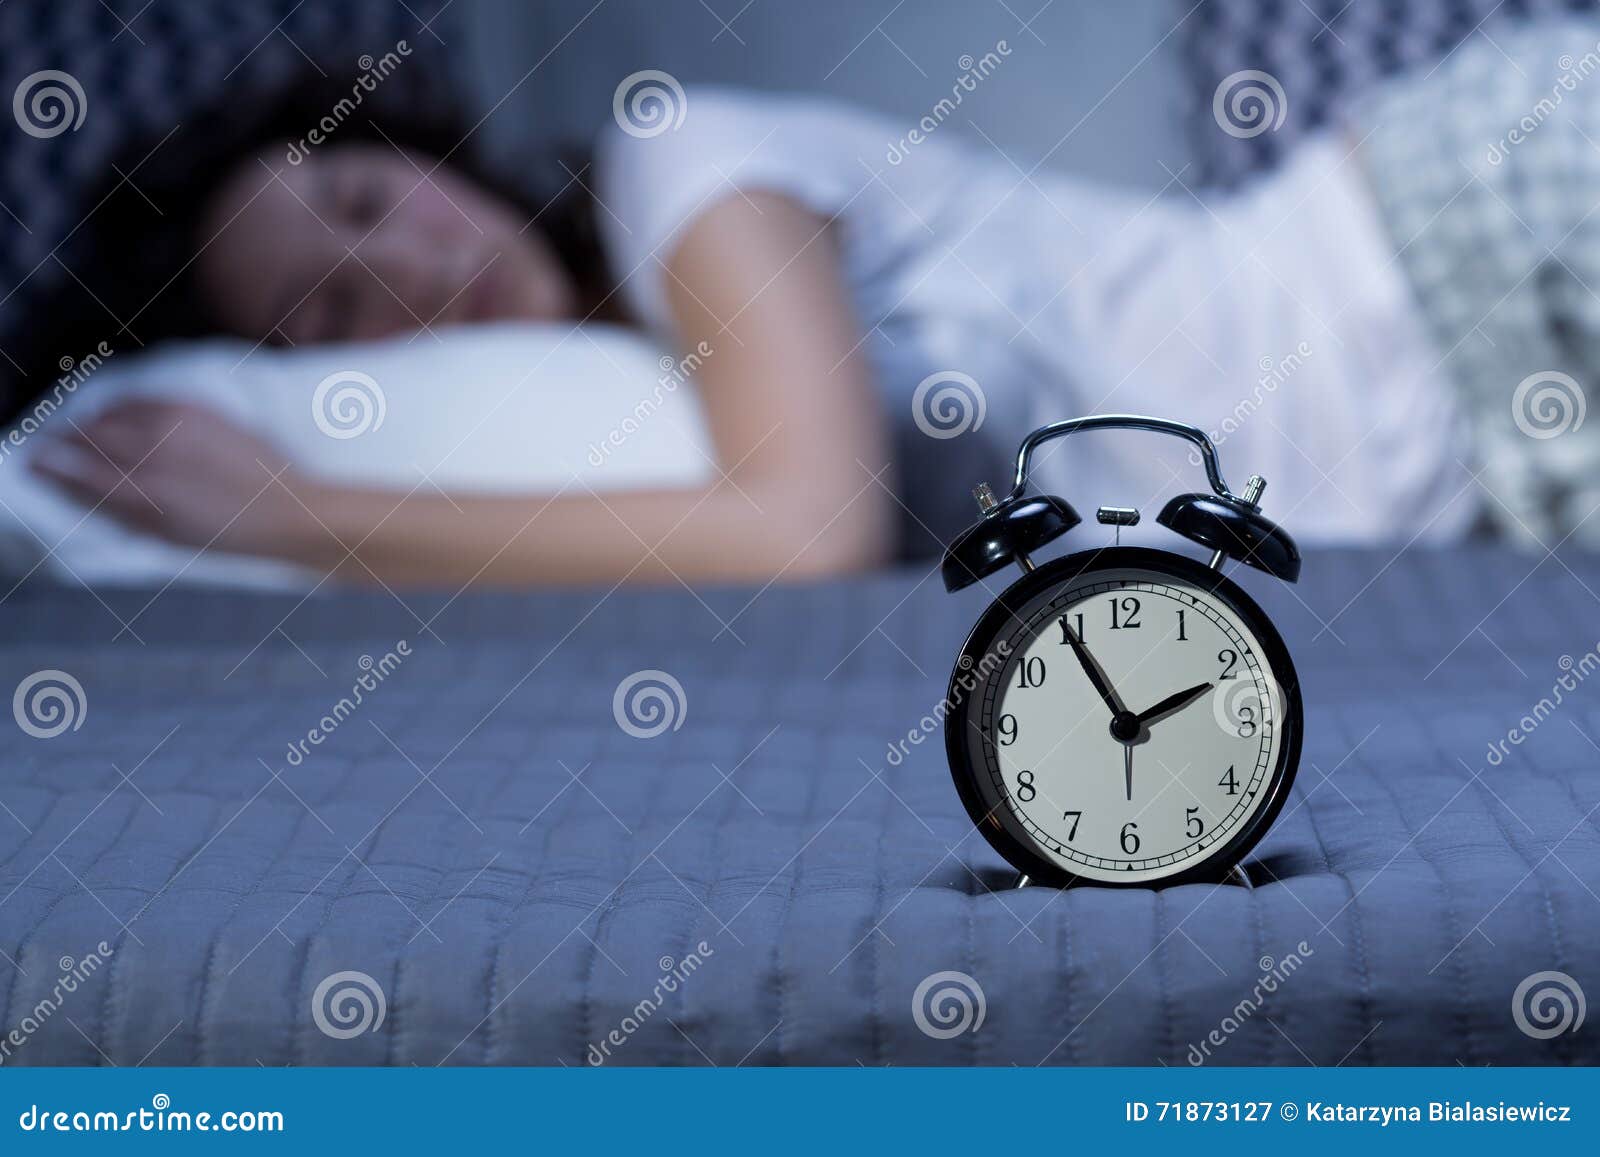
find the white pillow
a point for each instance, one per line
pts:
(509, 407)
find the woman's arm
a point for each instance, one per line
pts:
(792, 414)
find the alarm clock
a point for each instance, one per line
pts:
(1123, 716)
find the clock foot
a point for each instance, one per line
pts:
(1237, 875)
(1022, 881)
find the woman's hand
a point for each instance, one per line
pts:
(182, 472)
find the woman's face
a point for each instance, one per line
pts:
(355, 242)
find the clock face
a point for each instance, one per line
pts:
(1126, 724)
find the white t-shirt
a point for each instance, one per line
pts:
(1277, 320)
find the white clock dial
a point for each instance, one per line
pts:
(1159, 790)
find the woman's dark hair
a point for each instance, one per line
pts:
(135, 256)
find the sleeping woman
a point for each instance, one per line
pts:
(888, 322)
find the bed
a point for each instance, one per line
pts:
(663, 827)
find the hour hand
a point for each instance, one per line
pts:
(1092, 669)
(1171, 703)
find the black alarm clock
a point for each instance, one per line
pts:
(1123, 716)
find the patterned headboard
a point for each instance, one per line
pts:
(1319, 53)
(106, 89)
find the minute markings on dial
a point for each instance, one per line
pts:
(1026, 639)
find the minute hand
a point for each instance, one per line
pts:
(1172, 703)
(1092, 669)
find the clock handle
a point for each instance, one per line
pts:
(1208, 452)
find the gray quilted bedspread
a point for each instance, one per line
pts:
(477, 863)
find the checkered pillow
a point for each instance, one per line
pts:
(105, 88)
(1319, 53)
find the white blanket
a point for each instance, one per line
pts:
(504, 408)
